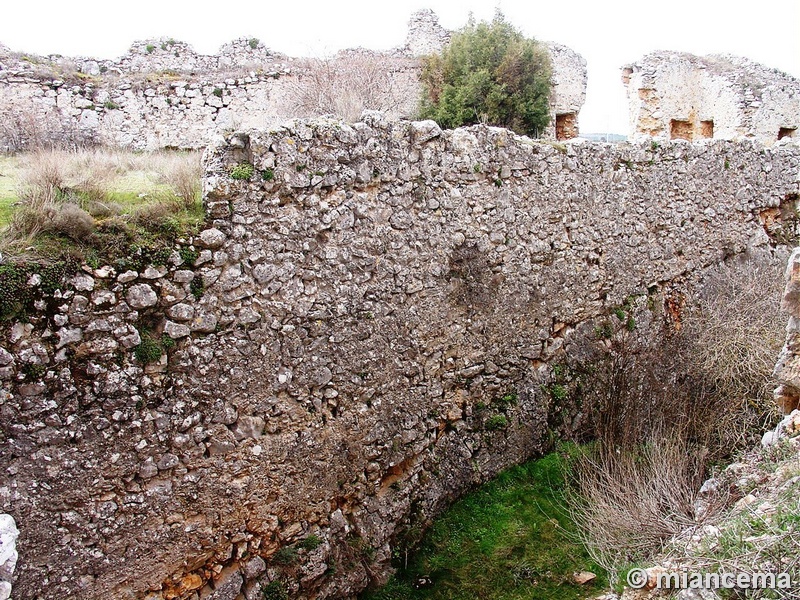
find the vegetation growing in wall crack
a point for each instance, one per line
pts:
(242, 171)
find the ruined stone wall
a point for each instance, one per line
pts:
(155, 100)
(163, 94)
(360, 334)
(569, 92)
(676, 95)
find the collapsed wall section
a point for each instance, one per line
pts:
(359, 335)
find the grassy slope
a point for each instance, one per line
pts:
(135, 187)
(508, 540)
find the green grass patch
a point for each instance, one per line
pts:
(510, 539)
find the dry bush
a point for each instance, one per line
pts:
(711, 378)
(662, 410)
(151, 216)
(734, 337)
(71, 221)
(345, 86)
(627, 503)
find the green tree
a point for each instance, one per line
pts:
(489, 73)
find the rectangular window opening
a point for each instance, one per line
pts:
(680, 130)
(566, 126)
(784, 132)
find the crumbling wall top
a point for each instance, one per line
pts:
(425, 34)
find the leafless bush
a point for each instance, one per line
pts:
(345, 86)
(734, 337)
(661, 410)
(628, 502)
(711, 378)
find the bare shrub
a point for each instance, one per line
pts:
(662, 410)
(711, 378)
(627, 503)
(735, 335)
(345, 86)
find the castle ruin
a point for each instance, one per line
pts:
(674, 95)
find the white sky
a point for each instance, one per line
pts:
(608, 34)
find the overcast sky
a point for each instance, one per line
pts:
(608, 34)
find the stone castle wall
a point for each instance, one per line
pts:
(360, 333)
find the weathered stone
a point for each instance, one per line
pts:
(168, 461)
(425, 131)
(83, 283)
(204, 323)
(141, 295)
(183, 276)
(8, 547)
(128, 276)
(68, 336)
(248, 427)
(176, 330)
(6, 358)
(148, 469)
(154, 272)
(254, 567)
(211, 238)
(104, 298)
(228, 587)
(181, 312)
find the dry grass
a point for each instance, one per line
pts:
(69, 192)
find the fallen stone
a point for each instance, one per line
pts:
(584, 577)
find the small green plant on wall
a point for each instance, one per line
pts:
(242, 171)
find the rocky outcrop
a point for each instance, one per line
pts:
(674, 95)
(362, 332)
